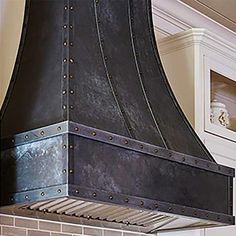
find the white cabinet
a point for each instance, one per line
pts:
(201, 67)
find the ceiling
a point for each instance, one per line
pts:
(222, 11)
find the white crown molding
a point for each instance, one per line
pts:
(174, 16)
(165, 23)
(198, 36)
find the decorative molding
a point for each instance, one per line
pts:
(166, 23)
(175, 16)
(198, 36)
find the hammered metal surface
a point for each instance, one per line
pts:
(95, 63)
(32, 166)
(116, 170)
(99, 67)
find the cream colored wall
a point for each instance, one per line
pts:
(11, 19)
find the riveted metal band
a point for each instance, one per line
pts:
(117, 140)
(34, 135)
(94, 195)
(149, 149)
(71, 150)
(39, 194)
(72, 63)
(144, 203)
(65, 59)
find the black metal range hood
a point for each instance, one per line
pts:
(91, 130)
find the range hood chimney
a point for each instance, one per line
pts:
(91, 130)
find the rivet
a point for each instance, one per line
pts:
(26, 136)
(71, 91)
(26, 197)
(71, 60)
(141, 146)
(71, 76)
(42, 133)
(65, 76)
(110, 137)
(65, 43)
(64, 146)
(70, 171)
(64, 26)
(76, 129)
(156, 150)
(156, 205)
(94, 133)
(126, 141)
(59, 190)
(77, 191)
(71, 26)
(71, 44)
(64, 107)
(110, 197)
(71, 147)
(183, 158)
(182, 210)
(64, 171)
(65, 8)
(64, 92)
(141, 203)
(13, 140)
(94, 194)
(71, 8)
(126, 200)
(64, 60)
(59, 128)
(42, 193)
(170, 208)
(105, 58)
(97, 1)
(71, 107)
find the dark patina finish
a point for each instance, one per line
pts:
(90, 115)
